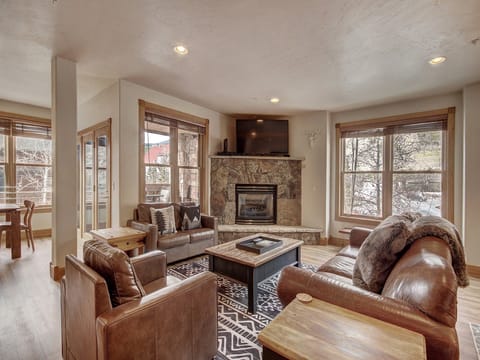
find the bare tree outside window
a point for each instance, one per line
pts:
(417, 173)
(391, 166)
(363, 166)
(33, 171)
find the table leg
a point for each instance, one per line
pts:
(13, 236)
(252, 290)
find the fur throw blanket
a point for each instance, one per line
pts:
(389, 240)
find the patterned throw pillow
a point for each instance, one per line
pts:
(165, 219)
(190, 216)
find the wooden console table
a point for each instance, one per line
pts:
(124, 238)
(320, 330)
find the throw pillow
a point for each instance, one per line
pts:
(190, 216)
(164, 218)
(115, 267)
(379, 253)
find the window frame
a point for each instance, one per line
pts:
(447, 171)
(146, 107)
(10, 157)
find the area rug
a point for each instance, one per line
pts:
(476, 337)
(237, 328)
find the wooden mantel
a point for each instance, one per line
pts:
(256, 157)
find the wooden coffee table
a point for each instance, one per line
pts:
(124, 238)
(320, 330)
(251, 268)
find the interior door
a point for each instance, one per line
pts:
(95, 188)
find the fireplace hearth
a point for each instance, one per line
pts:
(256, 204)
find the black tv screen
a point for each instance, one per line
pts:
(262, 137)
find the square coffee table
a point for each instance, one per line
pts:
(249, 267)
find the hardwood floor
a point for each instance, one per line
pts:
(30, 304)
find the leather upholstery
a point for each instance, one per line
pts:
(177, 321)
(181, 245)
(420, 293)
(115, 267)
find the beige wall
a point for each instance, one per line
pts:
(128, 180)
(316, 166)
(471, 175)
(40, 221)
(404, 107)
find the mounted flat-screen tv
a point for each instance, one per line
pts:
(262, 137)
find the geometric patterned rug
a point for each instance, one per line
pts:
(475, 328)
(237, 328)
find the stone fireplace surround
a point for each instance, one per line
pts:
(285, 172)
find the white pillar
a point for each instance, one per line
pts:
(471, 173)
(64, 129)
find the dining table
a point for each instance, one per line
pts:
(12, 214)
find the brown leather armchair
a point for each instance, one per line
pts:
(420, 293)
(173, 320)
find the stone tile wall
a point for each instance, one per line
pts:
(228, 171)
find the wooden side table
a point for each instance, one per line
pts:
(124, 238)
(320, 330)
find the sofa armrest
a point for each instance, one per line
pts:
(150, 229)
(358, 235)
(164, 324)
(210, 222)
(150, 266)
(321, 286)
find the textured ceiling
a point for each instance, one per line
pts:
(313, 55)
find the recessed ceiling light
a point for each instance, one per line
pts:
(180, 50)
(274, 100)
(437, 60)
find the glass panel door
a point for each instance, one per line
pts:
(95, 178)
(88, 183)
(103, 181)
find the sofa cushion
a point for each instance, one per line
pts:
(379, 253)
(349, 251)
(164, 219)
(340, 265)
(172, 240)
(190, 216)
(200, 234)
(115, 267)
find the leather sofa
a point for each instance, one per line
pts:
(419, 294)
(173, 319)
(180, 245)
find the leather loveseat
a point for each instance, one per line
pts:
(133, 310)
(419, 294)
(183, 243)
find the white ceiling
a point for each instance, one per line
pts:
(313, 55)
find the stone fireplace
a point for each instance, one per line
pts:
(255, 204)
(282, 173)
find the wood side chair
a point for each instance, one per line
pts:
(26, 224)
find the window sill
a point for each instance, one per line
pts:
(359, 220)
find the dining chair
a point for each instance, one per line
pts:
(26, 224)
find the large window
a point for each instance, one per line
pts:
(173, 150)
(25, 160)
(391, 165)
